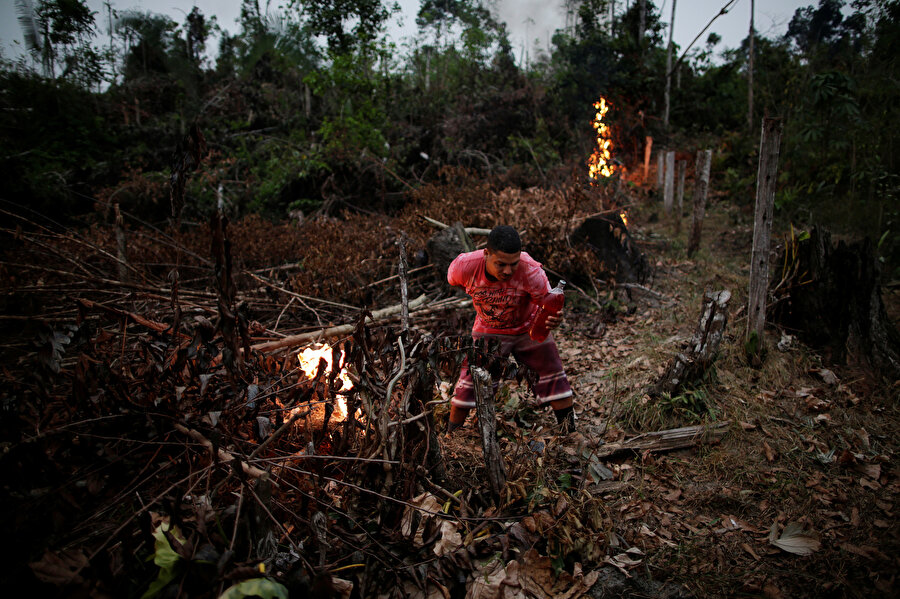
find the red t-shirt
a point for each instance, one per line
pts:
(501, 308)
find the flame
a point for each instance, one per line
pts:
(599, 164)
(309, 363)
(624, 216)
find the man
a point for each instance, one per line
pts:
(506, 286)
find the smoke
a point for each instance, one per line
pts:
(530, 22)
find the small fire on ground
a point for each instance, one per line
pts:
(600, 163)
(309, 364)
(624, 216)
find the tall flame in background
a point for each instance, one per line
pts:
(599, 164)
(309, 363)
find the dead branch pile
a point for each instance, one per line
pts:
(160, 411)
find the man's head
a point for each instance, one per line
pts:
(502, 252)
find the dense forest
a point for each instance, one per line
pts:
(181, 221)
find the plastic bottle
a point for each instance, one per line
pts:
(551, 304)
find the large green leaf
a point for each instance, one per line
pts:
(256, 587)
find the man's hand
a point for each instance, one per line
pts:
(553, 321)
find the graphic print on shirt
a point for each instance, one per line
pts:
(500, 308)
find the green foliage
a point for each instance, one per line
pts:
(256, 587)
(165, 557)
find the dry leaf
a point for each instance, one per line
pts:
(826, 375)
(749, 550)
(872, 471)
(770, 453)
(673, 495)
(622, 561)
(795, 540)
(60, 569)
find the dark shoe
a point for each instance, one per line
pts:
(566, 419)
(568, 423)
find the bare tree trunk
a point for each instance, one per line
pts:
(648, 147)
(750, 71)
(487, 423)
(679, 195)
(642, 24)
(307, 96)
(669, 192)
(701, 185)
(769, 146)
(669, 70)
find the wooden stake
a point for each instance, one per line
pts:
(404, 283)
(682, 167)
(487, 423)
(660, 168)
(701, 185)
(648, 146)
(769, 146)
(669, 191)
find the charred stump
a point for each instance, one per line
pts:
(690, 365)
(608, 237)
(446, 245)
(487, 424)
(831, 296)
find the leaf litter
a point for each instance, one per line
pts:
(387, 501)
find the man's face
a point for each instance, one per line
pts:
(500, 265)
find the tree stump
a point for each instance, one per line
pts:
(831, 296)
(609, 239)
(487, 424)
(690, 364)
(446, 245)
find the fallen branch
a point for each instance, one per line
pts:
(159, 327)
(667, 440)
(335, 331)
(642, 289)
(297, 295)
(224, 456)
(440, 225)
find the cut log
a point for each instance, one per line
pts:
(689, 365)
(831, 296)
(487, 424)
(608, 237)
(667, 440)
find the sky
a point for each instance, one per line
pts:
(527, 20)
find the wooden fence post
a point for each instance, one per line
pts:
(660, 167)
(769, 146)
(679, 195)
(487, 423)
(701, 185)
(669, 192)
(648, 146)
